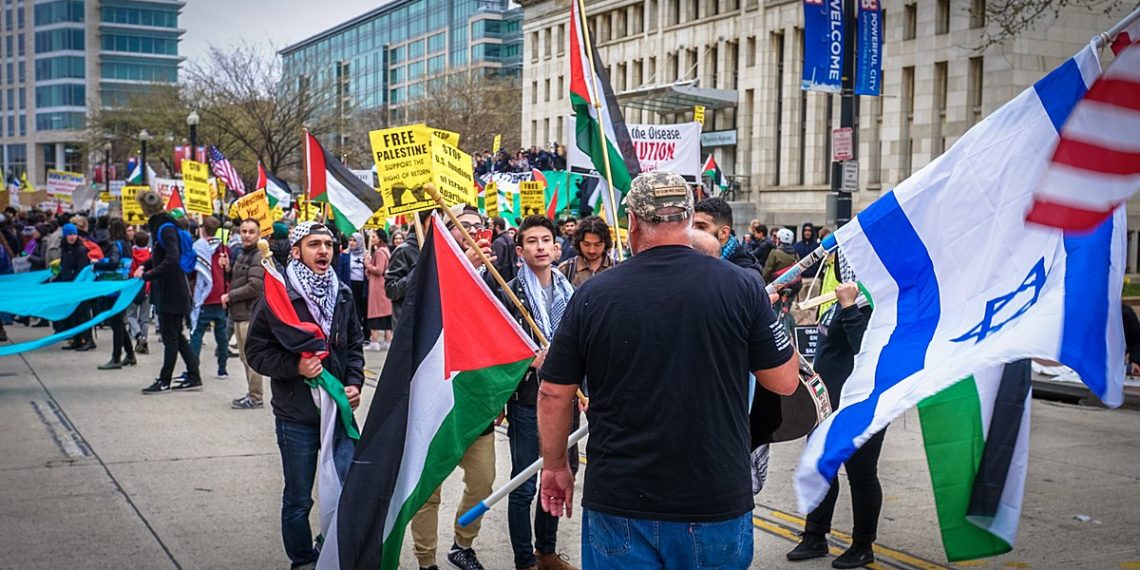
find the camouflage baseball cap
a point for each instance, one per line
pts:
(659, 197)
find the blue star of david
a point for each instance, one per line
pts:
(1034, 281)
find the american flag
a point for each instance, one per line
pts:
(226, 171)
(1096, 166)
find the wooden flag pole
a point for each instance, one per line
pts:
(419, 226)
(601, 125)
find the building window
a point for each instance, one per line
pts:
(534, 46)
(975, 89)
(619, 79)
(750, 56)
(62, 39)
(907, 146)
(561, 39)
(977, 14)
(636, 19)
(534, 133)
(534, 92)
(942, 17)
(131, 43)
(618, 21)
(546, 41)
(940, 95)
(436, 43)
(910, 21)
(673, 15)
(638, 78)
(651, 15)
(546, 90)
(49, 13)
(60, 121)
(561, 87)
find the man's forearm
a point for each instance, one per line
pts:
(554, 418)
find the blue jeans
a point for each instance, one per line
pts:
(299, 444)
(522, 430)
(610, 541)
(217, 315)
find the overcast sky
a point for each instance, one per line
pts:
(272, 23)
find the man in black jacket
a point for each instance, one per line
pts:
(169, 295)
(318, 297)
(503, 246)
(398, 276)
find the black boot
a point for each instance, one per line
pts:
(141, 348)
(812, 545)
(112, 365)
(860, 554)
(130, 360)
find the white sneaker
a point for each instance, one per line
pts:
(372, 347)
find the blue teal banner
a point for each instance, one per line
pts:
(869, 43)
(55, 299)
(823, 46)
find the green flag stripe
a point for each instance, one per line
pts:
(587, 138)
(954, 439)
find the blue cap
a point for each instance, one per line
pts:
(70, 230)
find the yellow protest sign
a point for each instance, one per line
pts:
(277, 213)
(377, 220)
(698, 113)
(453, 173)
(403, 166)
(106, 197)
(448, 136)
(132, 210)
(254, 206)
(497, 144)
(532, 198)
(491, 199)
(307, 211)
(195, 175)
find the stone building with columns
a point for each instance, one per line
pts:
(742, 59)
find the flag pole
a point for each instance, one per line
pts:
(1106, 38)
(601, 122)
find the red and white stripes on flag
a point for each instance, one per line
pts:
(226, 171)
(1096, 166)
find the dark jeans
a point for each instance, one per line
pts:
(610, 541)
(217, 315)
(360, 302)
(299, 444)
(174, 343)
(119, 337)
(522, 430)
(866, 494)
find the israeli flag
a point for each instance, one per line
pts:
(961, 283)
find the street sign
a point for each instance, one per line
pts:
(850, 176)
(842, 147)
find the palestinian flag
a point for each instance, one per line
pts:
(135, 168)
(976, 435)
(440, 388)
(352, 200)
(275, 190)
(712, 170)
(174, 204)
(587, 88)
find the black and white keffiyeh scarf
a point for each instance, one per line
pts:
(320, 291)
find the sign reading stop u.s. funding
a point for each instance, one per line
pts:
(195, 176)
(453, 173)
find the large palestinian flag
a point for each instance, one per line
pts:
(976, 435)
(352, 200)
(589, 86)
(456, 359)
(276, 190)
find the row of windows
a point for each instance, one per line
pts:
(118, 95)
(67, 95)
(158, 17)
(60, 40)
(14, 44)
(65, 121)
(140, 44)
(62, 67)
(12, 99)
(140, 71)
(59, 11)
(14, 18)
(15, 72)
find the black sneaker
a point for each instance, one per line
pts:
(187, 386)
(86, 347)
(858, 555)
(141, 348)
(463, 558)
(811, 545)
(159, 387)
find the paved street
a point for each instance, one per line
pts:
(94, 475)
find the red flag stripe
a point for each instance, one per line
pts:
(277, 299)
(1057, 215)
(577, 53)
(1121, 93)
(315, 159)
(1122, 41)
(1096, 158)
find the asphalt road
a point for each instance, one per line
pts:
(95, 475)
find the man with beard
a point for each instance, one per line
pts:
(319, 298)
(246, 286)
(593, 243)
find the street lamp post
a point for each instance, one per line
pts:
(107, 167)
(192, 122)
(143, 137)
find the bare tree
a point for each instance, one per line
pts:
(251, 113)
(1007, 19)
(159, 108)
(475, 104)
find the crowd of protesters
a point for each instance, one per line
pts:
(548, 157)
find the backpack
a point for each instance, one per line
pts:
(94, 252)
(187, 259)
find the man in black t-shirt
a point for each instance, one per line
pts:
(669, 475)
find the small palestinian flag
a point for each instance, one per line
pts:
(352, 200)
(441, 387)
(712, 170)
(275, 190)
(174, 204)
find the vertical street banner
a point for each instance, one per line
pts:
(869, 45)
(132, 210)
(196, 177)
(823, 46)
(533, 198)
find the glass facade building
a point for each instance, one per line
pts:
(63, 59)
(385, 58)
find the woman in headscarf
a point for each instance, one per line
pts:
(379, 306)
(357, 279)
